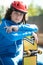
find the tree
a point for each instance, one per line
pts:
(34, 11)
(1, 12)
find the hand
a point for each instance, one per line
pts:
(11, 28)
(36, 37)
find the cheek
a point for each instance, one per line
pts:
(21, 18)
(12, 17)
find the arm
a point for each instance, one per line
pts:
(32, 28)
(13, 36)
(28, 27)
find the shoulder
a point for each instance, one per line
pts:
(5, 22)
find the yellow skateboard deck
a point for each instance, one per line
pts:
(30, 45)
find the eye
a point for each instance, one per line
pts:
(21, 14)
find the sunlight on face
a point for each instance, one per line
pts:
(17, 16)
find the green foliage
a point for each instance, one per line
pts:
(34, 11)
(1, 12)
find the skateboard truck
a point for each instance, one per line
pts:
(31, 53)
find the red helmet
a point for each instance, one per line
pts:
(19, 6)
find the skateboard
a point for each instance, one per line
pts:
(30, 51)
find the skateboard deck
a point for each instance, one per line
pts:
(30, 51)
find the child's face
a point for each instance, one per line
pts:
(17, 16)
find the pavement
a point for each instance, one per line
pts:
(40, 56)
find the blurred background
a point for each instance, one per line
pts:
(35, 16)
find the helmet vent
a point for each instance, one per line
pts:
(18, 4)
(25, 7)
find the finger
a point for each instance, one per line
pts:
(36, 40)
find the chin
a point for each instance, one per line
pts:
(17, 21)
